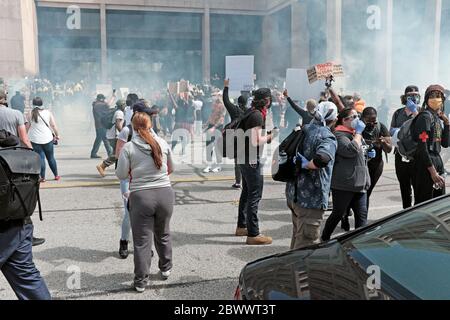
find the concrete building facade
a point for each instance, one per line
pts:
(179, 38)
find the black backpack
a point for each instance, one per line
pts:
(19, 183)
(283, 167)
(107, 119)
(406, 144)
(229, 139)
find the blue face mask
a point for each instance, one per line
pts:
(355, 123)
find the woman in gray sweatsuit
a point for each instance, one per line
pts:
(351, 178)
(147, 161)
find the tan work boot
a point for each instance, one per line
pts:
(241, 232)
(101, 169)
(259, 240)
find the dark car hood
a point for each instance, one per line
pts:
(321, 272)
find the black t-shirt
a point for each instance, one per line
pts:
(254, 120)
(399, 118)
(371, 135)
(100, 111)
(185, 113)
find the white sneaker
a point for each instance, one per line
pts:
(207, 170)
(216, 170)
(165, 274)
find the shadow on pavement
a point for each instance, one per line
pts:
(180, 239)
(274, 205)
(59, 254)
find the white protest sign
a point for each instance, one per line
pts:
(124, 92)
(105, 89)
(240, 71)
(299, 87)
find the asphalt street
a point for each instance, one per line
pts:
(82, 218)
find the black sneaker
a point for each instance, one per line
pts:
(236, 186)
(95, 157)
(38, 241)
(123, 249)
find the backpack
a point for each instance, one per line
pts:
(19, 183)
(130, 132)
(283, 167)
(229, 140)
(406, 144)
(107, 119)
(8, 140)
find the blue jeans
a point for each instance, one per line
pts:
(100, 135)
(126, 226)
(252, 190)
(342, 200)
(46, 151)
(16, 263)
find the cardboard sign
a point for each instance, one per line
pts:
(173, 87)
(105, 89)
(299, 88)
(324, 70)
(183, 86)
(240, 71)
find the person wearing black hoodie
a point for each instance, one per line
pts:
(235, 112)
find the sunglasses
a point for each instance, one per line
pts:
(352, 117)
(435, 94)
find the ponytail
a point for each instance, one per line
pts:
(35, 115)
(142, 124)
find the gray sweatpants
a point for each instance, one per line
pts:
(150, 213)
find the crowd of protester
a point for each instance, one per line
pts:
(340, 160)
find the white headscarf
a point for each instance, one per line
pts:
(326, 111)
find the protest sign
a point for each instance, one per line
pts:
(105, 89)
(240, 71)
(173, 87)
(124, 92)
(183, 86)
(324, 70)
(299, 88)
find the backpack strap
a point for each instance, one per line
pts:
(130, 133)
(39, 205)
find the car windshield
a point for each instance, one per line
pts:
(412, 250)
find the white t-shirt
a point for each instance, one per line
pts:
(123, 135)
(128, 114)
(113, 132)
(39, 133)
(197, 105)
